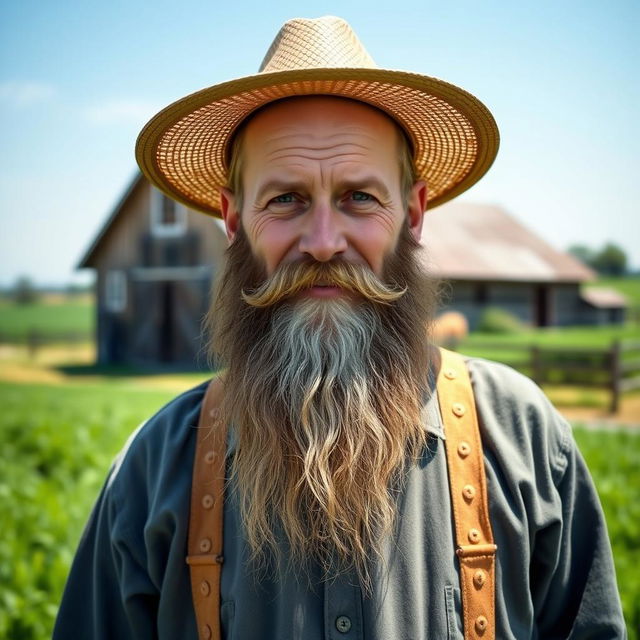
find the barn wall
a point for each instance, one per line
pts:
(129, 245)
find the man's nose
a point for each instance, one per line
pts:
(323, 236)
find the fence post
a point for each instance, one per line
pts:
(33, 342)
(616, 375)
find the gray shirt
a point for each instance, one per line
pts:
(554, 570)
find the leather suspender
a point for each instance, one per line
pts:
(467, 483)
(205, 520)
(474, 540)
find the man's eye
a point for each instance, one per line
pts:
(285, 198)
(361, 196)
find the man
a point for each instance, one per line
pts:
(337, 515)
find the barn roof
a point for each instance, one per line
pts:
(483, 242)
(604, 298)
(87, 259)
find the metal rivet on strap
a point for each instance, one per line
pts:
(209, 457)
(479, 578)
(481, 624)
(458, 409)
(205, 545)
(474, 536)
(464, 449)
(205, 588)
(450, 374)
(207, 501)
(469, 492)
(207, 634)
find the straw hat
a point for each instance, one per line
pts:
(183, 149)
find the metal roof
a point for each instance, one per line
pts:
(464, 241)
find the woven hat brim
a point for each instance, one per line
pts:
(183, 149)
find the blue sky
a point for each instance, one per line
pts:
(79, 79)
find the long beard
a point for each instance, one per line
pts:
(325, 398)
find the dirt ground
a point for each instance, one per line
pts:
(627, 416)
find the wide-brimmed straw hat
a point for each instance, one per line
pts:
(183, 150)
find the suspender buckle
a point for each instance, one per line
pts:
(476, 550)
(204, 559)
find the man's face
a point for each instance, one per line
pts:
(321, 179)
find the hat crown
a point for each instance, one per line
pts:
(305, 43)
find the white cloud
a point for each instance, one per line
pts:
(120, 112)
(24, 94)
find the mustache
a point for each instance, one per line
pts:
(292, 278)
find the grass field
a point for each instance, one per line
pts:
(57, 443)
(48, 319)
(628, 286)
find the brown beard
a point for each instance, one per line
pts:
(325, 400)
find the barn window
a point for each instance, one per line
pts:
(168, 218)
(115, 298)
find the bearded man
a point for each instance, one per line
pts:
(337, 509)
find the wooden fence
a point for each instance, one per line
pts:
(616, 368)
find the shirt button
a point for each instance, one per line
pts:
(343, 624)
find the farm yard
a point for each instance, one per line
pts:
(63, 421)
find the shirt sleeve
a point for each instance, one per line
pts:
(573, 575)
(108, 592)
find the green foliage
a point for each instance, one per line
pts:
(57, 444)
(610, 260)
(49, 320)
(614, 461)
(24, 291)
(497, 321)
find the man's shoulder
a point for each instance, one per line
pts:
(516, 417)
(162, 442)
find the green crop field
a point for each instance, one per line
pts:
(49, 320)
(57, 443)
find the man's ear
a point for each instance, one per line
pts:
(230, 213)
(416, 206)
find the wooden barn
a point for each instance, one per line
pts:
(156, 260)
(492, 260)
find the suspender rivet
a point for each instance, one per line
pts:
(207, 501)
(207, 634)
(474, 536)
(205, 588)
(481, 624)
(458, 409)
(205, 545)
(469, 492)
(464, 449)
(209, 457)
(450, 374)
(479, 578)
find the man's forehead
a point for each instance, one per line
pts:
(291, 114)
